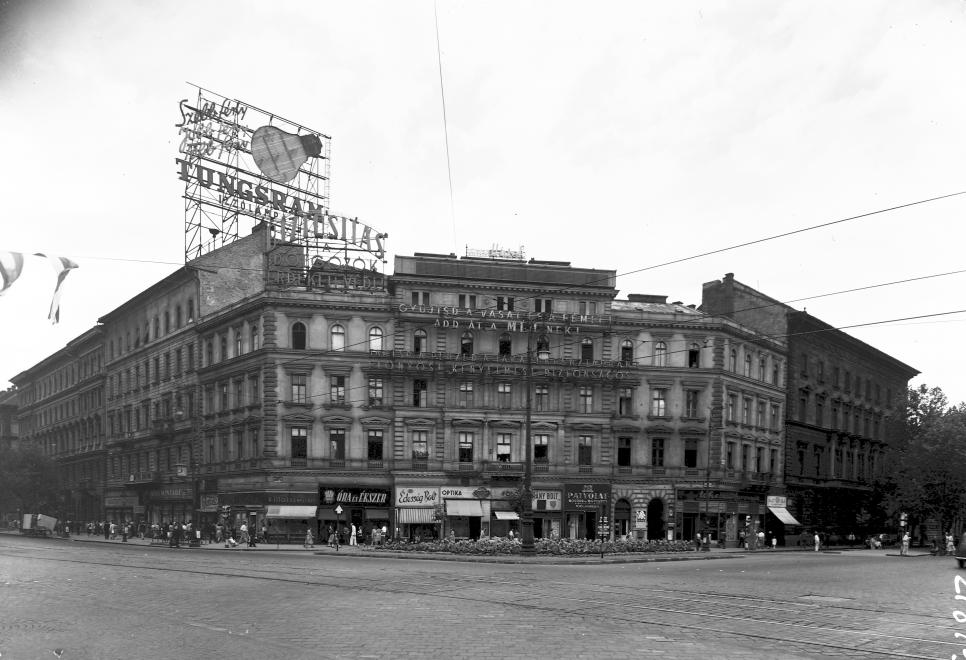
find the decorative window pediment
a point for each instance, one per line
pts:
(337, 420)
(297, 418)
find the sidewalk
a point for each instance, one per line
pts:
(365, 551)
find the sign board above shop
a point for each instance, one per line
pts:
(586, 497)
(329, 495)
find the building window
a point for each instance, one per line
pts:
(541, 399)
(761, 369)
(776, 373)
(627, 351)
(223, 396)
(802, 405)
(820, 371)
(253, 394)
(504, 304)
(420, 297)
(585, 450)
(503, 446)
(746, 412)
(505, 345)
(543, 345)
(465, 397)
(848, 381)
(543, 305)
(466, 446)
(804, 365)
(730, 456)
(660, 354)
(337, 337)
(337, 444)
(772, 460)
(733, 361)
(659, 402)
(238, 341)
(586, 403)
(223, 345)
(300, 442)
(374, 444)
(157, 370)
(190, 358)
(375, 391)
(239, 393)
(694, 356)
(748, 366)
(625, 401)
(503, 395)
(419, 341)
(657, 452)
(177, 362)
(691, 453)
(300, 388)
(178, 319)
(745, 457)
(587, 349)
(732, 405)
(420, 394)
(375, 338)
(623, 451)
(541, 448)
(253, 331)
(820, 410)
(464, 299)
(190, 307)
(466, 343)
(760, 414)
(691, 403)
(420, 446)
(759, 459)
(337, 389)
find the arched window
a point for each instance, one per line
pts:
(505, 344)
(419, 341)
(298, 335)
(627, 351)
(748, 366)
(694, 356)
(375, 338)
(466, 343)
(337, 337)
(733, 364)
(587, 349)
(761, 368)
(660, 354)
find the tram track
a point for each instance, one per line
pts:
(701, 613)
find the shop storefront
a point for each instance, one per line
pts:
(120, 508)
(584, 504)
(418, 513)
(169, 504)
(366, 508)
(547, 513)
(292, 513)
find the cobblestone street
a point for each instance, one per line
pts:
(95, 600)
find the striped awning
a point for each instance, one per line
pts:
(290, 512)
(782, 514)
(415, 515)
(506, 515)
(471, 508)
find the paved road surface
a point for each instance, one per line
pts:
(111, 600)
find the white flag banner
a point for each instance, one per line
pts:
(63, 266)
(11, 265)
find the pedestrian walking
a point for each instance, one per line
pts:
(309, 541)
(352, 535)
(950, 543)
(904, 550)
(774, 542)
(818, 541)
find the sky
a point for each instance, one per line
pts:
(612, 135)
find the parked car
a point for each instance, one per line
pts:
(961, 551)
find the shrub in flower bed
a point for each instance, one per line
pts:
(504, 546)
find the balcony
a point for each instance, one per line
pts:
(503, 467)
(145, 477)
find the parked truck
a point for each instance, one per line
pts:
(37, 524)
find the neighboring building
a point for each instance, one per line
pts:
(841, 393)
(61, 408)
(8, 419)
(246, 387)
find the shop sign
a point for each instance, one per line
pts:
(546, 500)
(475, 493)
(171, 493)
(263, 498)
(640, 522)
(120, 502)
(208, 501)
(583, 497)
(353, 496)
(417, 496)
(778, 501)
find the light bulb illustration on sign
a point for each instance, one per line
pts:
(279, 155)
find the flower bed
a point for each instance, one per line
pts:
(504, 546)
